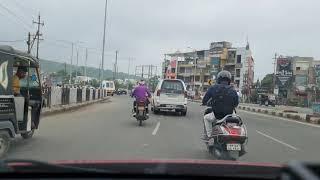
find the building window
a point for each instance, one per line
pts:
(238, 58)
(173, 70)
(188, 70)
(298, 68)
(237, 72)
(237, 82)
(197, 78)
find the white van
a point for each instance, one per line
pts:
(170, 95)
(109, 86)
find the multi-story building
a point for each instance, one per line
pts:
(195, 68)
(297, 79)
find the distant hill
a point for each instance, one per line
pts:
(51, 66)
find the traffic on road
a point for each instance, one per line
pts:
(163, 89)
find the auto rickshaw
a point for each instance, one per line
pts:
(19, 113)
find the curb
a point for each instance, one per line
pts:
(293, 116)
(65, 108)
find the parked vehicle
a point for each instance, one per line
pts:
(170, 95)
(141, 112)
(109, 86)
(19, 112)
(228, 138)
(121, 91)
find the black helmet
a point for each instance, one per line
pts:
(224, 76)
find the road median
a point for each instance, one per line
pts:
(70, 107)
(303, 117)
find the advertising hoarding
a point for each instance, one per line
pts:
(284, 71)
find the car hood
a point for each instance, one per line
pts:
(183, 167)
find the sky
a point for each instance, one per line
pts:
(144, 30)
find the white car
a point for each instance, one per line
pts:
(170, 95)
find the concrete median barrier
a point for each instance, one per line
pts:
(71, 107)
(294, 115)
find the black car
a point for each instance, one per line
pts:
(121, 91)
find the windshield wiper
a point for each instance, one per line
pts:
(38, 166)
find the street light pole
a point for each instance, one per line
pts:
(104, 40)
(70, 75)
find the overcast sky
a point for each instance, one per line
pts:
(146, 29)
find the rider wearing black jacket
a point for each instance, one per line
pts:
(224, 99)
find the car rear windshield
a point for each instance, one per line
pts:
(172, 87)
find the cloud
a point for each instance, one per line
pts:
(145, 29)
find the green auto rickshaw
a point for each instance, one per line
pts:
(20, 96)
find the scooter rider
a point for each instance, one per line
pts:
(224, 99)
(141, 92)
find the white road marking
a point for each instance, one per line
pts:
(277, 140)
(156, 128)
(281, 118)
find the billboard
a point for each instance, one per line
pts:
(284, 71)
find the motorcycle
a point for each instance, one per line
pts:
(141, 112)
(228, 137)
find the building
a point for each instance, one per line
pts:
(195, 68)
(297, 79)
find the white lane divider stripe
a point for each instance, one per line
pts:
(156, 128)
(277, 140)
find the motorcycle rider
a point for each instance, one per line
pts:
(141, 93)
(224, 99)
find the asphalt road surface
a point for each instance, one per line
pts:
(107, 131)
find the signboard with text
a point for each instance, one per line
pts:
(284, 71)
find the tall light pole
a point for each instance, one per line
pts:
(104, 39)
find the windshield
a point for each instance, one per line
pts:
(172, 87)
(258, 61)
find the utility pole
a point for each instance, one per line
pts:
(38, 34)
(274, 71)
(104, 39)
(29, 42)
(85, 64)
(77, 67)
(71, 59)
(116, 65)
(129, 68)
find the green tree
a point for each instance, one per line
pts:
(267, 81)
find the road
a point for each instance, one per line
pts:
(107, 131)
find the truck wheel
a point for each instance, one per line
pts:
(27, 135)
(4, 143)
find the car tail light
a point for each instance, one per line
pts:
(158, 92)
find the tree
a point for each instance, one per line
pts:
(94, 83)
(267, 81)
